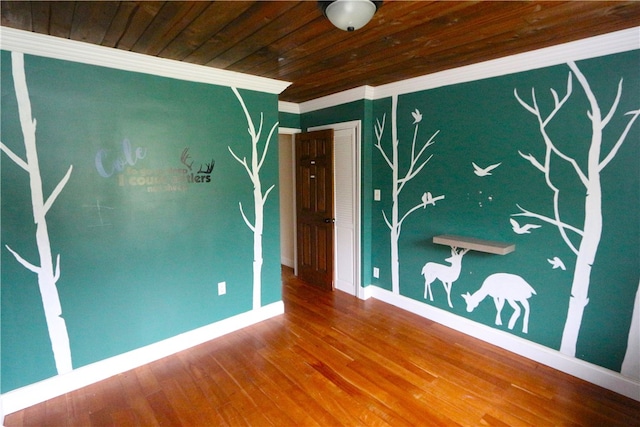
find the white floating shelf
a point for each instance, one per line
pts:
(470, 243)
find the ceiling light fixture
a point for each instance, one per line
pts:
(349, 15)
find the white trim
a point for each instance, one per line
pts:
(579, 368)
(357, 126)
(86, 53)
(288, 107)
(607, 44)
(35, 393)
(295, 205)
(355, 94)
(366, 293)
(288, 131)
(287, 261)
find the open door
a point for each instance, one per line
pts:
(314, 207)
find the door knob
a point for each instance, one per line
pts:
(329, 220)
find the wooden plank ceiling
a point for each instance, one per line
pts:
(293, 41)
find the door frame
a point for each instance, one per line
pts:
(356, 125)
(293, 132)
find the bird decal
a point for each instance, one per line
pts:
(484, 171)
(557, 263)
(428, 199)
(417, 116)
(524, 229)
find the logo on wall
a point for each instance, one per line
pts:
(129, 173)
(204, 172)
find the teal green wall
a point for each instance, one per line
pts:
(139, 266)
(482, 122)
(289, 120)
(144, 266)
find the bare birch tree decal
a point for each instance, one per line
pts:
(48, 275)
(398, 183)
(583, 241)
(631, 363)
(259, 199)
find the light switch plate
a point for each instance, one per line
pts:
(376, 195)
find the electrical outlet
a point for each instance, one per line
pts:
(222, 288)
(376, 195)
(376, 272)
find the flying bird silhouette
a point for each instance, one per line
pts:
(417, 116)
(484, 171)
(524, 229)
(557, 263)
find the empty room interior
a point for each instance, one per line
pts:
(298, 213)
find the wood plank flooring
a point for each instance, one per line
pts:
(334, 360)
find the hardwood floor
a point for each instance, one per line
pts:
(333, 360)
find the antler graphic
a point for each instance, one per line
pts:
(209, 167)
(186, 156)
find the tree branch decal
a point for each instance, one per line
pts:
(48, 275)
(416, 164)
(259, 199)
(590, 233)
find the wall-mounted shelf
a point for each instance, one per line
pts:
(488, 246)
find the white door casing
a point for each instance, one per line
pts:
(346, 205)
(288, 202)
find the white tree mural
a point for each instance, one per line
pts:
(584, 240)
(631, 364)
(398, 183)
(48, 275)
(259, 199)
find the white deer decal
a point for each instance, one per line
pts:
(447, 274)
(504, 287)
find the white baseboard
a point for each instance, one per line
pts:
(288, 262)
(367, 292)
(41, 391)
(598, 375)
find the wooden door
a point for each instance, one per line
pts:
(314, 207)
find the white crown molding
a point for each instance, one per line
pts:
(355, 94)
(288, 107)
(288, 131)
(86, 53)
(41, 391)
(578, 368)
(607, 44)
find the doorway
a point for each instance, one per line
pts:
(314, 207)
(346, 203)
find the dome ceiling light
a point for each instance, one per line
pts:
(349, 15)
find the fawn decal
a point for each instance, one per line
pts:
(504, 287)
(447, 274)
